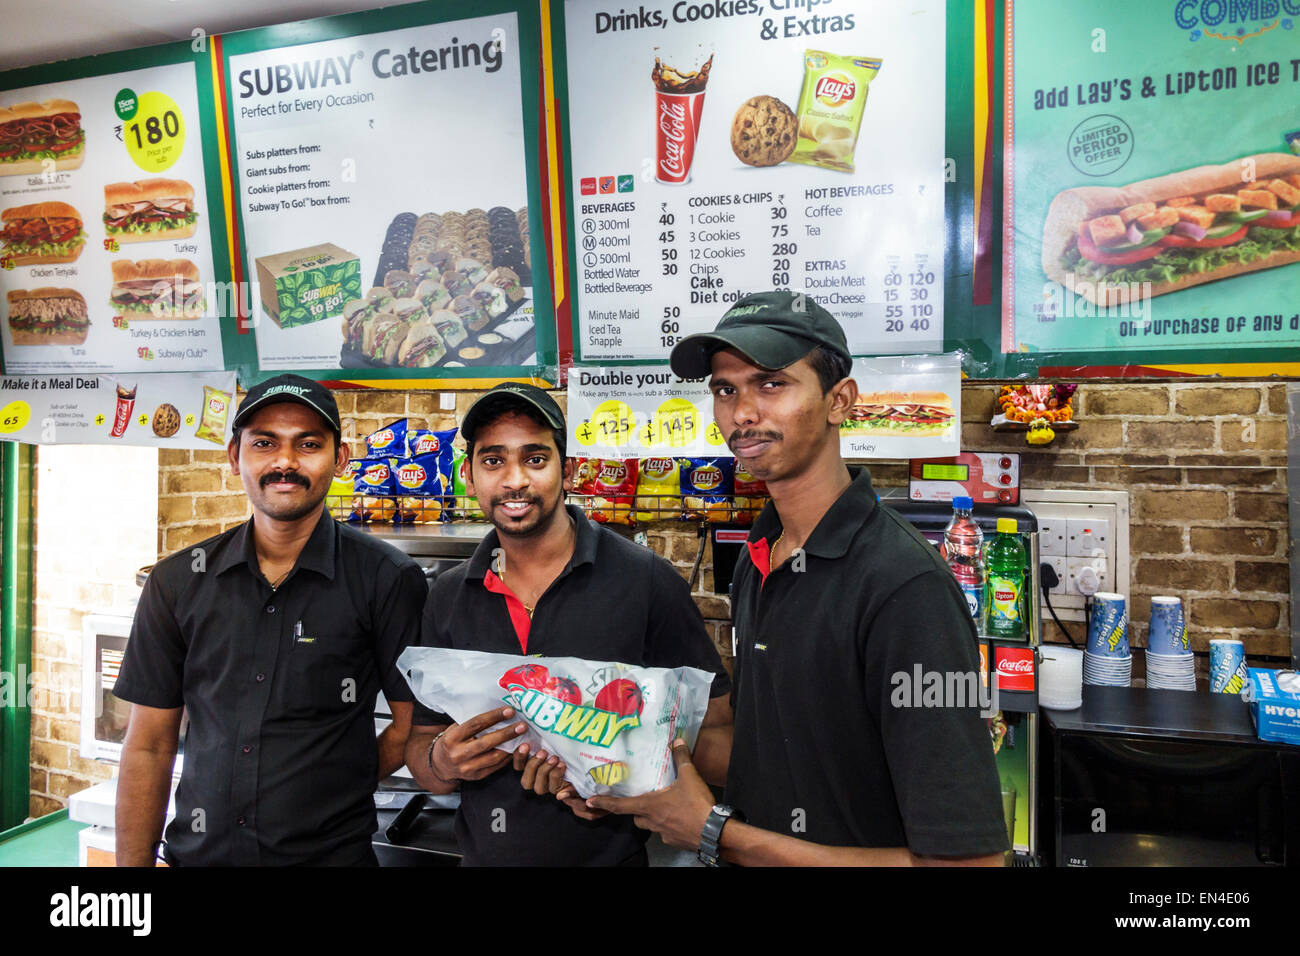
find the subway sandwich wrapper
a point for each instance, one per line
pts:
(307, 285)
(612, 724)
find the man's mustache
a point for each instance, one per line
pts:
(752, 435)
(293, 476)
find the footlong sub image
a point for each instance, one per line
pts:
(1176, 231)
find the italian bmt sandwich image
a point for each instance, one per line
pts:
(31, 133)
(1176, 231)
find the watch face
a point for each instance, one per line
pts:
(721, 811)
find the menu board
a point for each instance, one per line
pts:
(106, 258)
(384, 193)
(718, 149)
(1153, 180)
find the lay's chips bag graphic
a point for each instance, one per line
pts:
(612, 724)
(419, 487)
(388, 441)
(658, 489)
(611, 485)
(707, 488)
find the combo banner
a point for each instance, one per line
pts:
(1153, 179)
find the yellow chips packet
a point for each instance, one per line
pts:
(831, 105)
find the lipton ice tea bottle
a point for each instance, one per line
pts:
(1006, 583)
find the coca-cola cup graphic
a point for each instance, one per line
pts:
(679, 103)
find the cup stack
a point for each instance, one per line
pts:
(1170, 663)
(1060, 678)
(1107, 659)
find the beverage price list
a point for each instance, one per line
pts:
(725, 148)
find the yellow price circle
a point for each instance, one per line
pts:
(677, 422)
(14, 417)
(613, 423)
(155, 136)
(189, 419)
(100, 419)
(143, 419)
(713, 434)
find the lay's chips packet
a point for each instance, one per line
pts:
(610, 485)
(464, 506)
(423, 441)
(419, 486)
(707, 488)
(658, 489)
(372, 491)
(751, 496)
(388, 441)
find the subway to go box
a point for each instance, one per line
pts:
(1274, 698)
(307, 285)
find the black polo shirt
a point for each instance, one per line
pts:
(820, 751)
(280, 756)
(614, 601)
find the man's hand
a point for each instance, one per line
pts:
(677, 814)
(541, 772)
(462, 755)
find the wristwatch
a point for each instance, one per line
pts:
(711, 836)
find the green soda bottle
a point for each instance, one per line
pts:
(1005, 583)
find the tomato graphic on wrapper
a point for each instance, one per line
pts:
(621, 696)
(563, 688)
(531, 676)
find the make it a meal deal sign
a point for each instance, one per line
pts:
(384, 198)
(724, 148)
(168, 410)
(909, 406)
(640, 411)
(1153, 175)
(105, 249)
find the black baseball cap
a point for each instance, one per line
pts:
(291, 388)
(771, 329)
(509, 397)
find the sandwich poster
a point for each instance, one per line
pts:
(909, 406)
(716, 149)
(384, 192)
(169, 410)
(106, 258)
(1152, 176)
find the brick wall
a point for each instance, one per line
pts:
(96, 515)
(1204, 464)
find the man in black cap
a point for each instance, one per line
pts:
(546, 582)
(275, 637)
(834, 599)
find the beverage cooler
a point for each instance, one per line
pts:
(1014, 729)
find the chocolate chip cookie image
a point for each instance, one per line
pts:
(764, 131)
(166, 421)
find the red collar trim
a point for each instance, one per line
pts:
(518, 613)
(760, 552)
